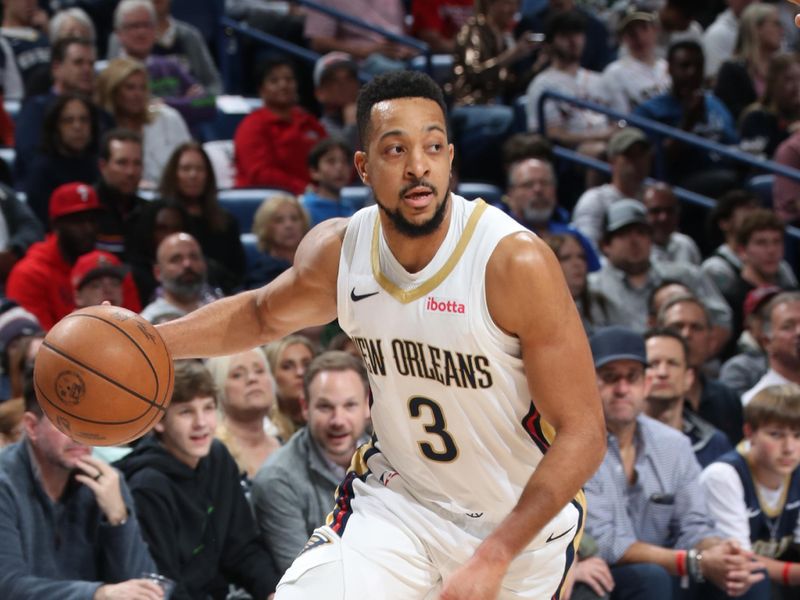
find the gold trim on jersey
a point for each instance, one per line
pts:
(427, 286)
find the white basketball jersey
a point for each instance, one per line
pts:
(452, 411)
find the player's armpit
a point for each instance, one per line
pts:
(528, 297)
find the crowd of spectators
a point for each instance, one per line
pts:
(693, 319)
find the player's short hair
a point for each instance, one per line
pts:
(774, 405)
(192, 380)
(668, 332)
(390, 86)
(334, 360)
(322, 148)
(760, 220)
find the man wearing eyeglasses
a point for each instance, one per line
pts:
(647, 512)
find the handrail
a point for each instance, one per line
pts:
(681, 193)
(267, 38)
(340, 16)
(666, 131)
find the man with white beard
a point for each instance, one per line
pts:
(531, 200)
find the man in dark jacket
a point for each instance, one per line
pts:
(67, 522)
(194, 513)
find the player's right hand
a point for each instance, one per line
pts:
(133, 589)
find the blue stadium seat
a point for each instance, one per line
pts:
(357, 196)
(251, 251)
(441, 67)
(243, 203)
(761, 186)
(491, 193)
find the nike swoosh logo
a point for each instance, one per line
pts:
(356, 297)
(551, 537)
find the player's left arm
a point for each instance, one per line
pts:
(528, 298)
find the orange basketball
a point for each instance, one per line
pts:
(103, 376)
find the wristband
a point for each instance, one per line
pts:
(680, 562)
(786, 567)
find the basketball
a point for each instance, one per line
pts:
(103, 376)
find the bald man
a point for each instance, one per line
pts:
(181, 270)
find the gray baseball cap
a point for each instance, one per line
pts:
(623, 213)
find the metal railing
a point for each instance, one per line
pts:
(229, 27)
(661, 131)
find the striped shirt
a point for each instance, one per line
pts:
(665, 506)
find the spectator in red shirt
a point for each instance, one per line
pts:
(272, 143)
(40, 282)
(436, 22)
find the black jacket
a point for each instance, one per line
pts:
(198, 523)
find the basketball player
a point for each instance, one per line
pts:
(485, 409)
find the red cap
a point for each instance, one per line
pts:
(758, 297)
(73, 198)
(95, 264)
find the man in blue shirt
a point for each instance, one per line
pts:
(689, 107)
(647, 512)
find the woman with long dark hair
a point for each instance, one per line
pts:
(68, 151)
(188, 179)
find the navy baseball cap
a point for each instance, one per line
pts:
(617, 343)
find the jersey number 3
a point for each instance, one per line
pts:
(437, 428)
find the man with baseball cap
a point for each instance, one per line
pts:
(647, 512)
(40, 282)
(629, 276)
(742, 371)
(97, 277)
(336, 86)
(639, 74)
(630, 155)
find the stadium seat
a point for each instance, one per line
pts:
(491, 193)
(761, 186)
(478, 132)
(244, 203)
(357, 196)
(251, 251)
(441, 67)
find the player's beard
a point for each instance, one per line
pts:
(416, 230)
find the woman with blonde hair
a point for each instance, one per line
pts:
(289, 358)
(123, 90)
(247, 401)
(279, 224)
(742, 80)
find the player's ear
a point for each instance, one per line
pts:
(360, 160)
